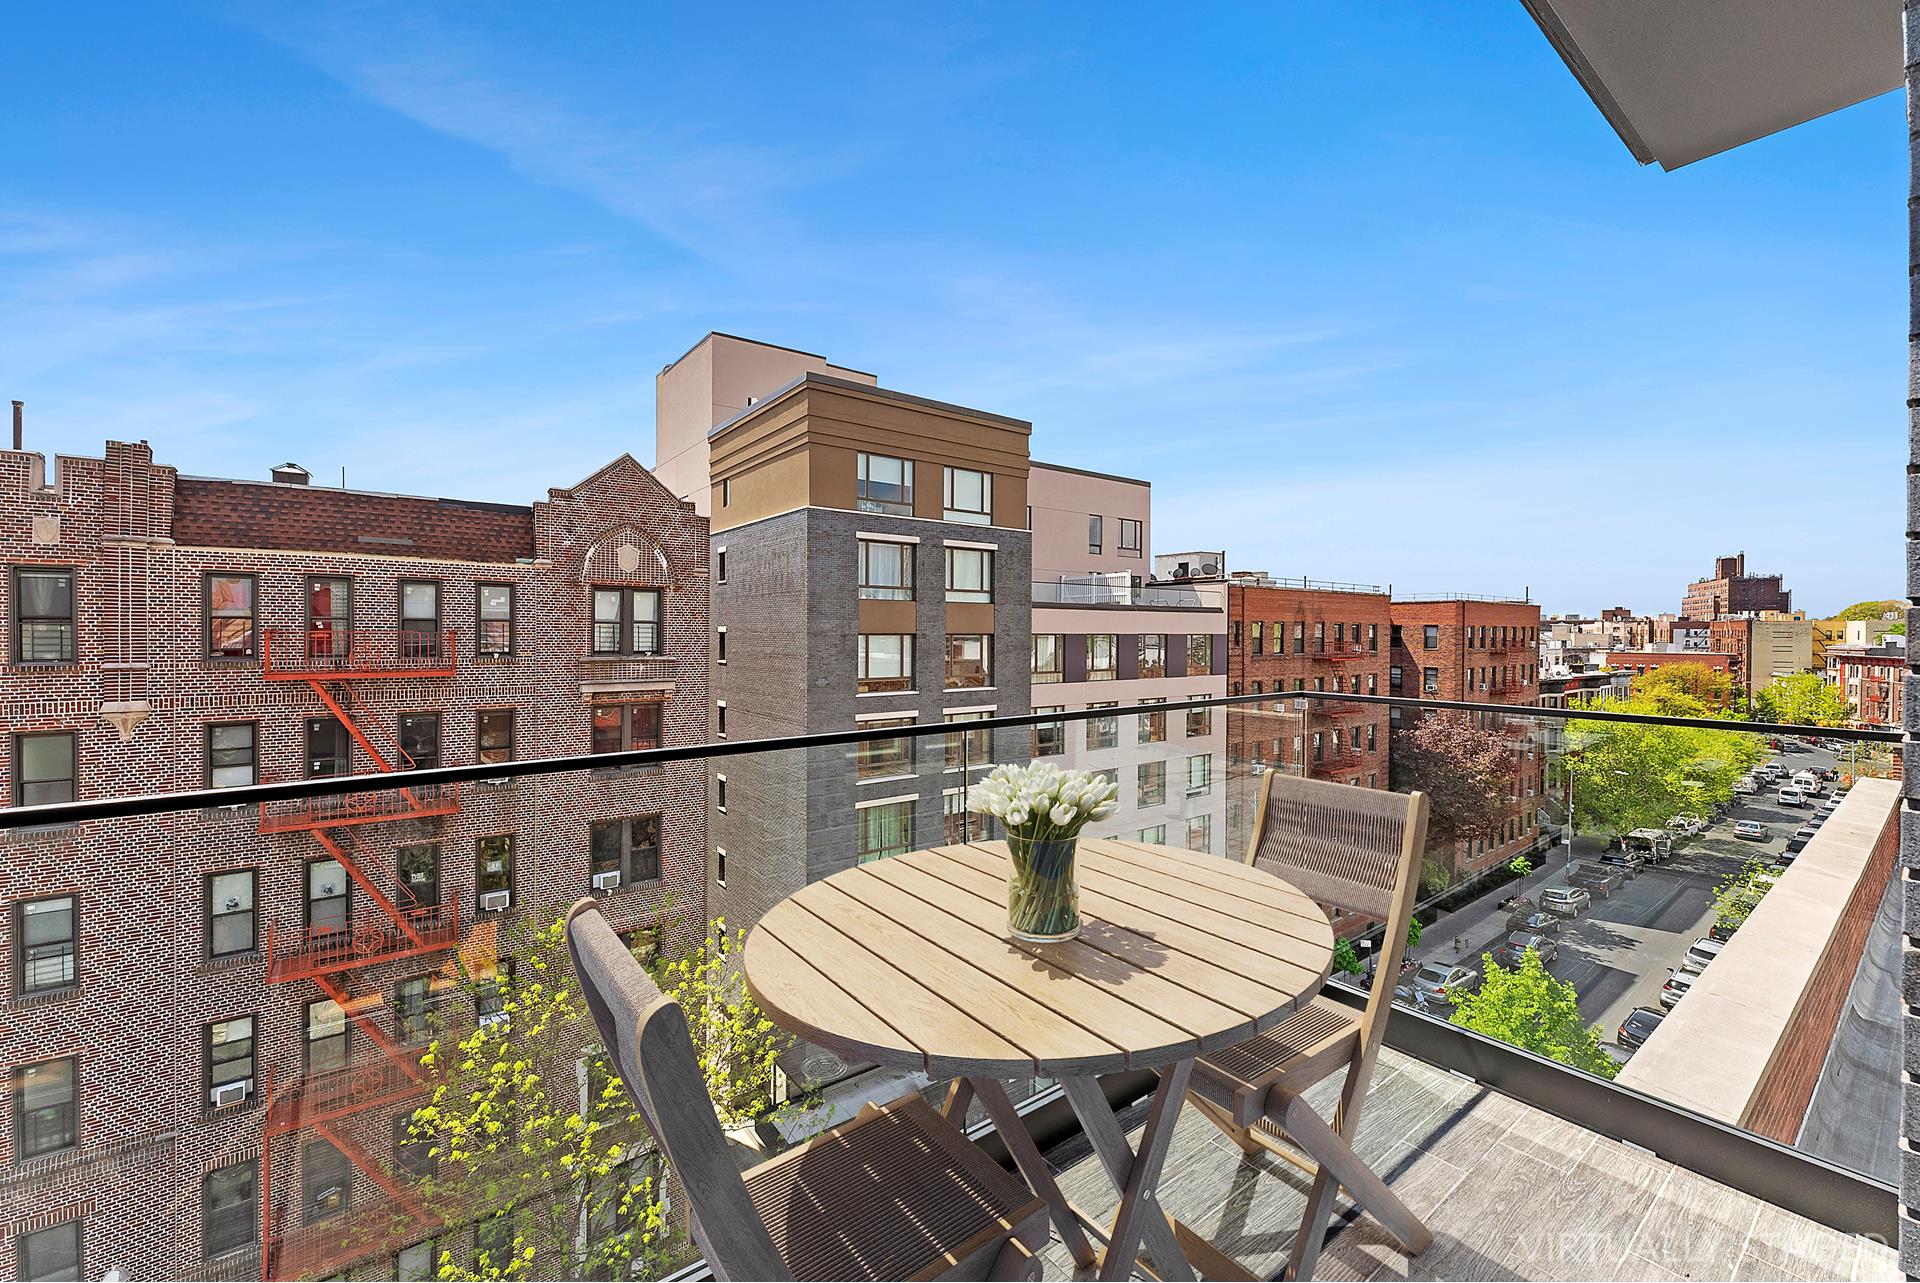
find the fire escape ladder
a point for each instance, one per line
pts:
(366, 1162)
(339, 852)
(353, 1008)
(353, 727)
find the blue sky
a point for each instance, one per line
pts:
(1369, 292)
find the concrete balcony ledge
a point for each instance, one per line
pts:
(1747, 1045)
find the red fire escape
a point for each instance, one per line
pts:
(330, 660)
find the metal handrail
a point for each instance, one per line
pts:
(59, 813)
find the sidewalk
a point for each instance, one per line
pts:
(1482, 923)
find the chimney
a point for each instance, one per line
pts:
(19, 425)
(290, 474)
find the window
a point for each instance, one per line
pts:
(493, 735)
(969, 496)
(969, 661)
(1100, 657)
(1094, 535)
(886, 662)
(231, 756)
(1373, 638)
(1151, 778)
(45, 1117)
(1199, 722)
(1200, 833)
(1048, 651)
(328, 752)
(230, 921)
(1199, 653)
(883, 829)
(43, 616)
(418, 870)
(228, 1217)
(1430, 680)
(720, 565)
(879, 759)
(49, 944)
(329, 618)
(493, 1241)
(1320, 639)
(229, 1053)
(51, 1254)
(413, 1155)
(626, 621)
(1299, 637)
(419, 741)
(619, 728)
(720, 865)
(1153, 654)
(960, 825)
(413, 1010)
(886, 570)
(1156, 835)
(329, 898)
(230, 616)
(1257, 632)
(1049, 738)
(490, 994)
(630, 848)
(419, 619)
(1373, 683)
(327, 1182)
(1199, 774)
(1153, 726)
(1430, 637)
(1129, 537)
(726, 492)
(43, 768)
(493, 865)
(970, 750)
(969, 574)
(1394, 680)
(720, 644)
(720, 718)
(493, 619)
(1103, 732)
(883, 484)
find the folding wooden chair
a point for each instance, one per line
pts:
(1357, 850)
(896, 1193)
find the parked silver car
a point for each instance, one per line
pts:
(1567, 902)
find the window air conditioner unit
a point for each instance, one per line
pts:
(605, 881)
(494, 901)
(231, 1093)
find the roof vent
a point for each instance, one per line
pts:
(291, 474)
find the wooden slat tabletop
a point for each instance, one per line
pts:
(907, 961)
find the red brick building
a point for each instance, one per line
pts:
(1732, 591)
(213, 1019)
(1477, 650)
(1638, 662)
(1301, 635)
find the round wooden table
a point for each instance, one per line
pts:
(907, 961)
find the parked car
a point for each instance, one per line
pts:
(1719, 932)
(1598, 880)
(1700, 953)
(1816, 818)
(1791, 796)
(1515, 947)
(1807, 782)
(1533, 919)
(1745, 786)
(1638, 1027)
(1801, 836)
(1751, 830)
(1566, 902)
(1769, 771)
(1439, 981)
(1828, 773)
(1628, 862)
(1831, 805)
(1676, 988)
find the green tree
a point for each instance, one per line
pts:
(736, 1044)
(1629, 776)
(1528, 1008)
(1346, 958)
(1803, 699)
(1736, 897)
(531, 1136)
(1687, 689)
(1871, 610)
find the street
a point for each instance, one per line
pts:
(1619, 953)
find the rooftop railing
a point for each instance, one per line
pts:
(1050, 592)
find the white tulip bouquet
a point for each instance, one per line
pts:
(1043, 808)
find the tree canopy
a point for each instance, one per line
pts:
(1736, 897)
(1529, 1008)
(1466, 769)
(1628, 776)
(1803, 699)
(1687, 689)
(1871, 610)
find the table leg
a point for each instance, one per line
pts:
(1136, 1176)
(959, 1096)
(1027, 1157)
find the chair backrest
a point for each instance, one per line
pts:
(645, 1033)
(1349, 848)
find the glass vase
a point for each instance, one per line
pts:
(1043, 900)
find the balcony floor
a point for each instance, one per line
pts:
(1510, 1193)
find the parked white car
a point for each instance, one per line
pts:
(1745, 786)
(1791, 796)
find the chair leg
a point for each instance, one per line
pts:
(1014, 1261)
(1338, 1163)
(1241, 1136)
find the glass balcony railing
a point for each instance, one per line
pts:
(299, 1068)
(1118, 590)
